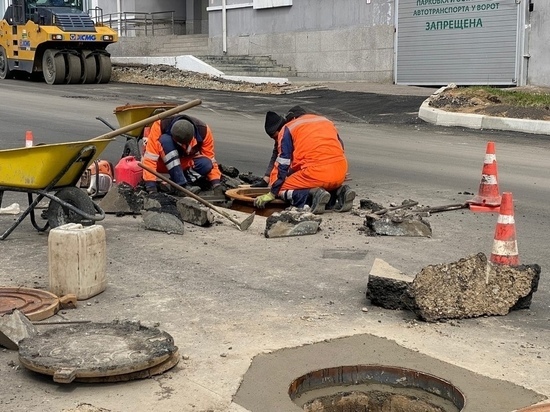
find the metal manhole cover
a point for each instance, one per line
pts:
(97, 350)
(34, 303)
(142, 374)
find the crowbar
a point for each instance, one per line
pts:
(245, 224)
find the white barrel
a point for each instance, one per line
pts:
(77, 257)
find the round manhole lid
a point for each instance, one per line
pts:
(96, 350)
(34, 303)
(142, 374)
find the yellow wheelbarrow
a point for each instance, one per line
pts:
(42, 169)
(130, 114)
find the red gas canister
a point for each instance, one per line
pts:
(127, 170)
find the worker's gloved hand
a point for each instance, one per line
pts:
(261, 183)
(218, 190)
(262, 200)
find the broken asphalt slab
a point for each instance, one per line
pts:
(471, 287)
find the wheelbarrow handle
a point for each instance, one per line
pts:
(110, 126)
(149, 120)
(106, 123)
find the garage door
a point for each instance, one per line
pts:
(465, 42)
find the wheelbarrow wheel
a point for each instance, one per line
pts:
(59, 215)
(131, 148)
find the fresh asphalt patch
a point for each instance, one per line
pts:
(350, 107)
(339, 106)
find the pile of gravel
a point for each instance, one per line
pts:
(170, 76)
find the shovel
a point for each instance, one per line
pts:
(148, 120)
(245, 224)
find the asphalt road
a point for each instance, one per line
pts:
(393, 156)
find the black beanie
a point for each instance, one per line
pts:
(295, 112)
(273, 123)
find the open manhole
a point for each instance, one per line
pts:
(374, 388)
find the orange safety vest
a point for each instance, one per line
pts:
(309, 142)
(201, 145)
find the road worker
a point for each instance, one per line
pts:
(311, 165)
(182, 146)
(273, 124)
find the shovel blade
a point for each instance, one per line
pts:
(245, 224)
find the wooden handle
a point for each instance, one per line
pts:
(189, 193)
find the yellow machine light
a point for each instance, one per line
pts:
(107, 38)
(57, 37)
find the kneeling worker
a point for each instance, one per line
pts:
(311, 165)
(182, 146)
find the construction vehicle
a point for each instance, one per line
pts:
(56, 40)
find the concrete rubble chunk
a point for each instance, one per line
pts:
(397, 225)
(291, 223)
(388, 287)
(162, 222)
(367, 204)
(231, 183)
(191, 211)
(161, 202)
(14, 327)
(472, 287)
(122, 199)
(230, 171)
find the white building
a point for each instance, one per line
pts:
(417, 42)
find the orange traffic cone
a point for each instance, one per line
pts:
(29, 139)
(488, 198)
(505, 247)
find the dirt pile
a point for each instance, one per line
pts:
(462, 100)
(170, 76)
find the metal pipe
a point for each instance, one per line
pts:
(224, 26)
(119, 12)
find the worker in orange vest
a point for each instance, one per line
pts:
(311, 165)
(273, 124)
(182, 146)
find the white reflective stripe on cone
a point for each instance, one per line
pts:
(488, 179)
(505, 248)
(506, 220)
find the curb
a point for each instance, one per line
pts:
(478, 121)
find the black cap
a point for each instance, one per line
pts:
(273, 123)
(294, 112)
(182, 131)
